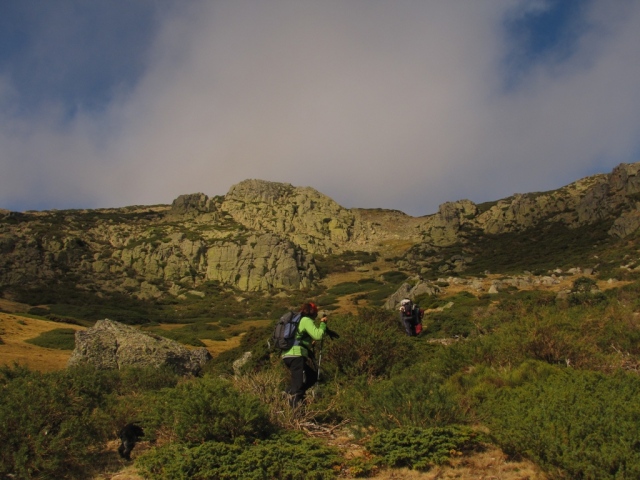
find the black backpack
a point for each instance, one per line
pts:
(284, 335)
(417, 313)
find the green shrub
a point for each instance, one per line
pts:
(193, 333)
(421, 448)
(345, 262)
(207, 409)
(38, 311)
(58, 338)
(145, 379)
(51, 424)
(395, 276)
(581, 336)
(418, 397)
(289, 457)
(346, 288)
(583, 423)
(371, 344)
(454, 321)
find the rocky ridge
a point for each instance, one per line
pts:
(583, 202)
(264, 236)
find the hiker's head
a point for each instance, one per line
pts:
(309, 310)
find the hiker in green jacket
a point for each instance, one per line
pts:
(299, 359)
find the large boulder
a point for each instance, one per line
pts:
(113, 345)
(394, 300)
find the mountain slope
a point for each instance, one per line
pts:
(269, 237)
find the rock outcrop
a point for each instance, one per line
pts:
(113, 345)
(586, 201)
(263, 236)
(406, 290)
(311, 220)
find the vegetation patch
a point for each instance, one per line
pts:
(193, 334)
(58, 338)
(583, 423)
(422, 448)
(344, 262)
(290, 456)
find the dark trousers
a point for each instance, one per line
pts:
(303, 377)
(409, 327)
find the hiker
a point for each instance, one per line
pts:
(299, 359)
(406, 316)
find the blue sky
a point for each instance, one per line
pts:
(378, 104)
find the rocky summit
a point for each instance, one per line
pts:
(267, 237)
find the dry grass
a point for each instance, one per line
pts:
(16, 329)
(491, 464)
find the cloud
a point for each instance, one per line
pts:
(376, 104)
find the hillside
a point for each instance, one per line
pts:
(271, 237)
(527, 366)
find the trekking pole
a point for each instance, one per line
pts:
(320, 359)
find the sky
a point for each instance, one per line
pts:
(396, 104)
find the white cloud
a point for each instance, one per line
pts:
(375, 103)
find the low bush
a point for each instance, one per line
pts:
(371, 344)
(454, 321)
(395, 276)
(580, 336)
(578, 424)
(51, 425)
(206, 409)
(137, 380)
(417, 397)
(421, 448)
(290, 456)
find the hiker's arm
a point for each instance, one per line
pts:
(316, 333)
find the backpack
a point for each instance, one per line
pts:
(417, 313)
(284, 334)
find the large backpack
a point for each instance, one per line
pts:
(284, 335)
(417, 314)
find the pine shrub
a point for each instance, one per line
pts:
(206, 409)
(370, 344)
(421, 448)
(51, 424)
(418, 397)
(288, 456)
(581, 424)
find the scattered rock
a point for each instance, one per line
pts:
(241, 362)
(114, 345)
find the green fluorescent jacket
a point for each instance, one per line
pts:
(307, 331)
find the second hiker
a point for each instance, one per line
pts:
(406, 317)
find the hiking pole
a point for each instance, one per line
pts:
(316, 387)
(319, 359)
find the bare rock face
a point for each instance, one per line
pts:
(407, 291)
(302, 214)
(113, 345)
